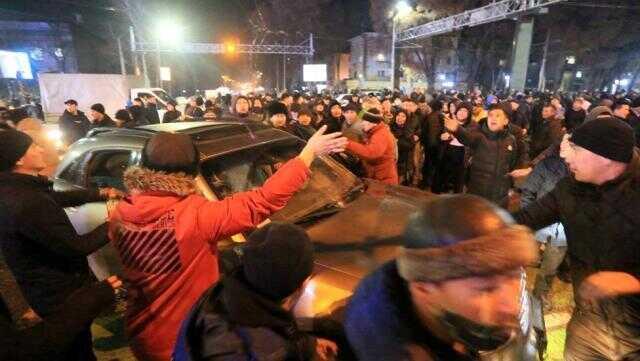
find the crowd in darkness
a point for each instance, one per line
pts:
(566, 167)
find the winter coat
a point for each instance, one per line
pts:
(601, 224)
(404, 137)
(549, 133)
(495, 155)
(381, 326)
(520, 117)
(542, 180)
(302, 131)
(43, 250)
(151, 111)
(378, 154)
(171, 116)
(73, 127)
(233, 322)
(166, 236)
(106, 122)
(139, 116)
(432, 129)
(48, 260)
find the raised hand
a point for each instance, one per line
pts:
(321, 144)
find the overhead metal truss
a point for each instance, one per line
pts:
(305, 48)
(496, 11)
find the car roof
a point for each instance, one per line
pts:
(211, 138)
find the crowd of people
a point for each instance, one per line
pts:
(453, 292)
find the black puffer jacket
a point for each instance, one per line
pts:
(495, 155)
(601, 224)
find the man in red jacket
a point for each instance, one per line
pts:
(379, 153)
(166, 233)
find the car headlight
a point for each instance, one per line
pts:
(55, 136)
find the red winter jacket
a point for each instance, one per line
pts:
(378, 154)
(166, 238)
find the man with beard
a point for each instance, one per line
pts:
(453, 292)
(598, 207)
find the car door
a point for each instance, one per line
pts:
(97, 168)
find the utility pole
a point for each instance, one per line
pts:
(145, 71)
(284, 71)
(132, 44)
(123, 69)
(542, 80)
(393, 53)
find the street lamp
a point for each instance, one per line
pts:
(169, 33)
(402, 8)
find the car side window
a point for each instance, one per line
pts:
(106, 168)
(76, 171)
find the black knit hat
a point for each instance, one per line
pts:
(609, 137)
(277, 107)
(98, 108)
(14, 145)
(277, 259)
(171, 153)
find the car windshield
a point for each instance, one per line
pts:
(243, 170)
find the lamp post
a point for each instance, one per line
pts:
(401, 8)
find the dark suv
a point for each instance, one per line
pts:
(355, 224)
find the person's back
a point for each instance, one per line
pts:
(166, 234)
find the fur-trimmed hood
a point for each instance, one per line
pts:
(143, 180)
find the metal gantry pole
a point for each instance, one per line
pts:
(123, 69)
(159, 60)
(284, 72)
(393, 53)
